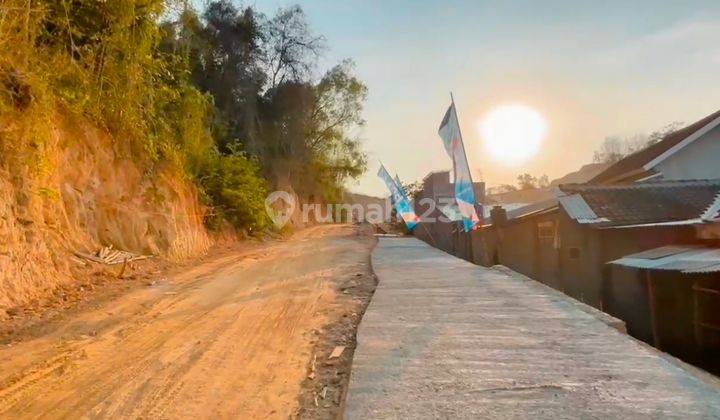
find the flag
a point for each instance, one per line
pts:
(402, 204)
(400, 186)
(464, 192)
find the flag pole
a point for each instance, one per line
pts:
(472, 184)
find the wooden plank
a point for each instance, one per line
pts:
(337, 351)
(653, 313)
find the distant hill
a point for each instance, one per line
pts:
(584, 174)
(365, 201)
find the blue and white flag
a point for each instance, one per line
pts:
(402, 204)
(464, 192)
(400, 186)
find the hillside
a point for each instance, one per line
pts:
(92, 194)
(369, 205)
(151, 129)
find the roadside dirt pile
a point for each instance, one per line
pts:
(79, 192)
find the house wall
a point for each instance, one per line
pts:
(518, 245)
(675, 308)
(580, 265)
(626, 297)
(439, 235)
(674, 313)
(485, 247)
(445, 235)
(625, 294)
(698, 160)
(546, 267)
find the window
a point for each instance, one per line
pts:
(546, 230)
(574, 253)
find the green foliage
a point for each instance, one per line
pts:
(258, 71)
(227, 96)
(413, 189)
(236, 191)
(104, 59)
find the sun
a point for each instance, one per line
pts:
(512, 134)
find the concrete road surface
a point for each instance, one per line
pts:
(443, 338)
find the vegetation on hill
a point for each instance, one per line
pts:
(227, 96)
(615, 148)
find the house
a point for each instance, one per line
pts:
(566, 243)
(692, 152)
(524, 239)
(611, 221)
(675, 300)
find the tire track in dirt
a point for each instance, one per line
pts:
(226, 339)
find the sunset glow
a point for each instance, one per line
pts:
(512, 134)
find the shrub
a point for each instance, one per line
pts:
(236, 192)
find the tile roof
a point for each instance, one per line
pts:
(639, 203)
(637, 160)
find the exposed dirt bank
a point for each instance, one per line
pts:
(84, 190)
(234, 337)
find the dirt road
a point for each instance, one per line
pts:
(236, 337)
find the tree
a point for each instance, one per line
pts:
(527, 182)
(662, 132)
(413, 189)
(226, 62)
(543, 181)
(290, 48)
(336, 112)
(258, 72)
(610, 151)
(615, 148)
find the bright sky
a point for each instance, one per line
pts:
(590, 68)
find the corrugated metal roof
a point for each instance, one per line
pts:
(709, 269)
(663, 251)
(696, 221)
(713, 212)
(686, 259)
(577, 208)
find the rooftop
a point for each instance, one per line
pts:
(635, 163)
(641, 203)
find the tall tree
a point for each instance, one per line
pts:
(290, 48)
(527, 182)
